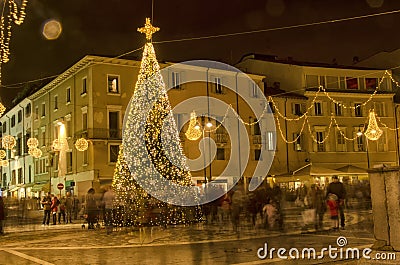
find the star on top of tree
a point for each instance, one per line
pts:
(148, 29)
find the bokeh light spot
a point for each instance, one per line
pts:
(51, 29)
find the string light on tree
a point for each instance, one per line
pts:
(8, 142)
(81, 144)
(193, 132)
(373, 132)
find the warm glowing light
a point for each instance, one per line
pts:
(32, 142)
(52, 29)
(2, 109)
(359, 133)
(8, 142)
(81, 144)
(60, 144)
(148, 29)
(37, 153)
(4, 163)
(373, 131)
(3, 154)
(193, 132)
(209, 124)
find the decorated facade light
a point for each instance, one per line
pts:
(36, 153)
(193, 132)
(2, 109)
(4, 163)
(81, 144)
(32, 143)
(60, 144)
(373, 131)
(3, 154)
(8, 142)
(31, 151)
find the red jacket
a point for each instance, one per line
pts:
(333, 207)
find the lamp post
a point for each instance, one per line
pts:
(51, 159)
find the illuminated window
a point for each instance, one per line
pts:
(113, 84)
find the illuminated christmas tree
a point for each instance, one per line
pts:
(152, 147)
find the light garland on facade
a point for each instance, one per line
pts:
(4, 163)
(8, 142)
(59, 144)
(81, 144)
(36, 152)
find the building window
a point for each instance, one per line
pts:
(19, 116)
(218, 85)
(382, 142)
(43, 110)
(176, 81)
(271, 144)
(318, 108)
(13, 177)
(28, 110)
(379, 109)
(254, 90)
(351, 83)
(357, 110)
(12, 121)
(4, 179)
(360, 144)
(256, 128)
(43, 137)
(4, 127)
(69, 162)
(340, 141)
(298, 142)
(113, 84)
(55, 102)
(271, 107)
(30, 174)
(320, 141)
(85, 157)
(371, 83)
(113, 153)
(257, 155)
(18, 145)
(84, 121)
(338, 109)
(113, 124)
(84, 86)
(312, 81)
(68, 96)
(298, 109)
(69, 126)
(36, 112)
(20, 176)
(332, 82)
(220, 154)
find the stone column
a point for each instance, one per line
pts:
(385, 195)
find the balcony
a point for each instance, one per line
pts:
(256, 139)
(221, 138)
(99, 133)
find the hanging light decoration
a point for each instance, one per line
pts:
(193, 132)
(31, 151)
(8, 142)
(4, 163)
(373, 131)
(59, 144)
(81, 144)
(2, 109)
(32, 143)
(2, 154)
(36, 152)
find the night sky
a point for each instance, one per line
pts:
(108, 27)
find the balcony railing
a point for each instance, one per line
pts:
(257, 139)
(99, 133)
(221, 138)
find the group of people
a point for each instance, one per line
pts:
(57, 208)
(316, 202)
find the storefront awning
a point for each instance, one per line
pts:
(352, 170)
(40, 187)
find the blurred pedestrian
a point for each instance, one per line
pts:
(69, 205)
(336, 187)
(61, 210)
(237, 207)
(333, 209)
(46, 202)
(2, 215)
(91, 208)
(108, 202)
(54, 208)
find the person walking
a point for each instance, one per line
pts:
(54, 209)
(318, 203)
(333, 209)
(46, 202)
(108, 201)
(61, 210)
(2, 215)
(91, 208)
(69, 206)
(336, 187)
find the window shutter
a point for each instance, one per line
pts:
(182, 78)
(352, 111)
(355, 144)
(315, 145)
(327, 143)
(293, 108)
(325, 110)
(303, 108)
